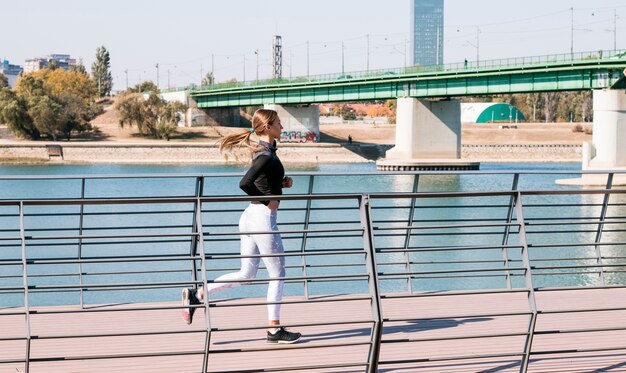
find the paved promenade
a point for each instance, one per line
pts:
(418, 343)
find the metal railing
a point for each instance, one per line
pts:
(397, 240)
(529, 61)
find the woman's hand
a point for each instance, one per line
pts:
(273, 205)
(287, 182)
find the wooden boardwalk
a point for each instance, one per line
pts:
(179, 347)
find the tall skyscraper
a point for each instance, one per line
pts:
(427, 32)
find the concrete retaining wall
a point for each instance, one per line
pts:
(289, 153)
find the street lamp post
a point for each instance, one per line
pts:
(368, 52)
(342, 59)
(571, 48)
(256, 52)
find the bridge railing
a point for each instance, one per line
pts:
(419, 239)
(577, 57)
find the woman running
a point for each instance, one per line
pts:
(266, 176)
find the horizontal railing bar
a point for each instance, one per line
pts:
(471, 316)
(448, 226)
(451, 338)
(568, 351)
(449, 358)
(290, 253)
(588, 330)
(548, 245)
(292, 347)
(449, 248)
(292, 368)
(454, 293)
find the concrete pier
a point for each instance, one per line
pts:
(607, 150)
(428, 137)
(300, 123)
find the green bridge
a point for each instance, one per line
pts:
(428, 124)
(565, 72)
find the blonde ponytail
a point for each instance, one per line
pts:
(260, 120)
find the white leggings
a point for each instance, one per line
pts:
(258, 218)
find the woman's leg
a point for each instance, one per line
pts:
(272, 244)
(249, 267)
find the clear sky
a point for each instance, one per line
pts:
(181, 35)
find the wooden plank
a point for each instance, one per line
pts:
(178, 347)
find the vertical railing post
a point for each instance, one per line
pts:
(407, 239)
(193, 250)
(207, 318)
(80, 242)
(507, 231)
(307, 218)
(528, 277)
(370, 264)
(598, 248)
(25, 284)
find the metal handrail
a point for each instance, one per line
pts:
(371, 263)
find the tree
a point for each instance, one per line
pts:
(100, 71)
(533, 100)
(14, 113)
(48, 116)
(50, 103)
(79, 68)
(550, 103)
(4, 81)
(153, 116)
(146, 86)
(208, 79)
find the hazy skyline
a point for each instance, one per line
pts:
(182, 37)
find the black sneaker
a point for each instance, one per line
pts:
(283, 336)
(189, 299)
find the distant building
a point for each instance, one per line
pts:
(427, 32)
(10, 71)
(490, 112)
(63, 61)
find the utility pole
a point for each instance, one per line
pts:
(342, 59)
(307, 59)
(157, 68)
(278, 57)
(571, 48)
(614, 30)
(201, 74)
(256, 52)
(213, 68)
(368, 52)
(477, 46)
(405, 43)
(126, 72)
(244, 67)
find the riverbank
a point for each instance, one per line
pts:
(202, 153)
(539, 142)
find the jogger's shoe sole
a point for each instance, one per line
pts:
(186, 299)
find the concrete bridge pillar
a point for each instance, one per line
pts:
(300, 123)
(428, 136)
(608, 147)
(427, 130)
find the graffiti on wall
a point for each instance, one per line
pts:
(299, 136)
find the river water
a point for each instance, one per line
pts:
(219, 218)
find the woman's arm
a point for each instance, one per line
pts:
(247, 182)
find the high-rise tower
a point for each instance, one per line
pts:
(427, 32)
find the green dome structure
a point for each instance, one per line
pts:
(490, 112)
